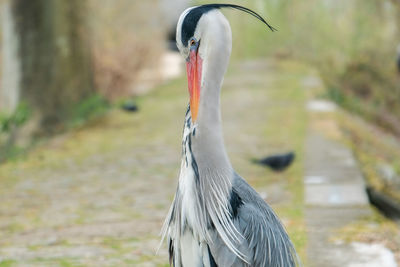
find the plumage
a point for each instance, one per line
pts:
(216, 218)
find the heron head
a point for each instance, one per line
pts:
(202, 33)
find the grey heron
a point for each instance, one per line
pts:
(216, 218)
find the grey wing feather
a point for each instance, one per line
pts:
(265, 243)
(223, 256)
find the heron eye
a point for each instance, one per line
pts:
(192, 42)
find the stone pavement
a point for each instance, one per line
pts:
(335, 196)
(97, 196)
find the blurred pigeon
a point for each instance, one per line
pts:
(278, 162)
(130, 106)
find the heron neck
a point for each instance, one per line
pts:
(208, 142)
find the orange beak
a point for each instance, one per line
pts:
(194, 70)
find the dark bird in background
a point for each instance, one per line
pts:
(278, 162)
(129, 106)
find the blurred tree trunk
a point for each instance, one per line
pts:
(54, 55)
(9, 90)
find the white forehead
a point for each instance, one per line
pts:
(212, 17)
(179, 25)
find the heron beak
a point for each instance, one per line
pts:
(194, 70)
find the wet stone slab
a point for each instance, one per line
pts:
(323, 249)
(335, 197)
(332, 175)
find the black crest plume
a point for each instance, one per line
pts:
(191, 19)
(241, 8)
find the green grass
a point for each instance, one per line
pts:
(86, 110)
(7, 263)
(68, 263)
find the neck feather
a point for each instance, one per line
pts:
(208, 143)
(204, 193)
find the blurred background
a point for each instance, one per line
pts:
(92, 98)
